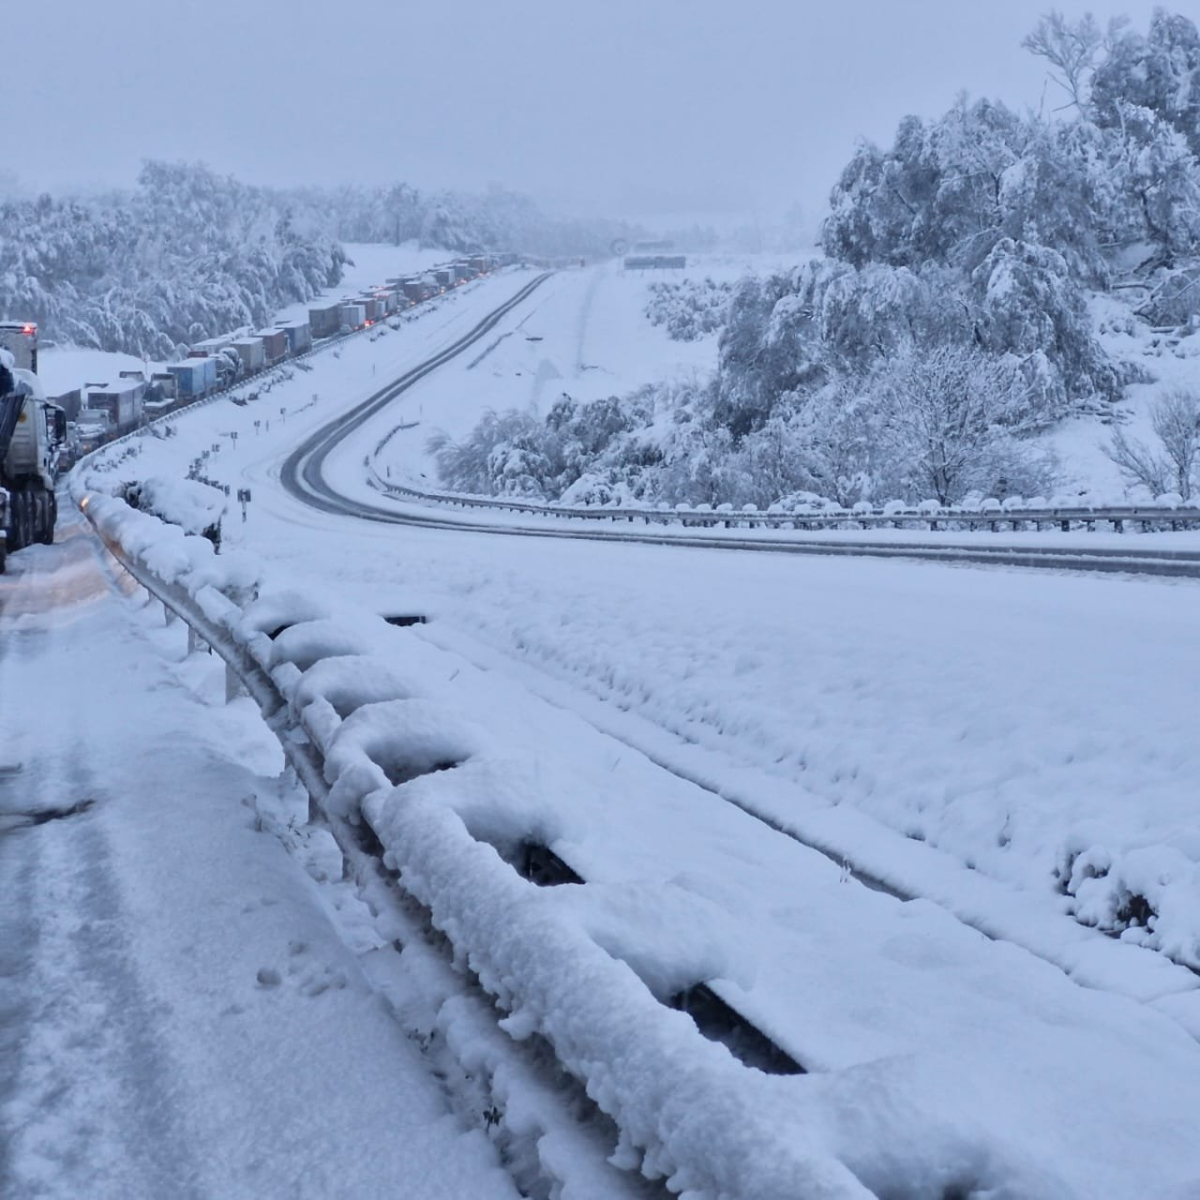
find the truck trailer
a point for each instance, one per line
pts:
(325, 319)
(299, 336)
(195, 378)
(275, 345)
(252, 352)
(352, 315)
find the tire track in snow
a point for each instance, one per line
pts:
(89, 1107)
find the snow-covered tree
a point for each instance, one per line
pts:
(1171, 465)
(946, 419)
(187, 255)
(1158, 71)
(1071, 49)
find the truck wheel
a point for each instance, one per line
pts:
(30, 534)
(30, 519)
(20, 521)
(45, 513)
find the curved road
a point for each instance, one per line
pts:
(302, 475)
(302, 471)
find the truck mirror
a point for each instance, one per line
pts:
(60, 425)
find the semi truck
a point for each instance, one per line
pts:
(33, 433)
(20, 339)
(195, 378)
(325, 319)
(121, 403)
(299, 336)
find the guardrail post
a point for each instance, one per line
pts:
(1066, 525)
(1118, 526)
(233, 685)
(195, 642)
(168, 615)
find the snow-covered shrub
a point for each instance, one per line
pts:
(690, 309)
(1172, 463)
(195, 507)
(945, 426)
(500, 450)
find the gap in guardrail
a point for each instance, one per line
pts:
(713, 1017)
(719, 1022)
(404, 770)
(539, 864)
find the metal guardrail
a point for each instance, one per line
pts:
(213, 619)
(932, 520)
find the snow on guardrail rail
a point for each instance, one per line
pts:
(1165, 512)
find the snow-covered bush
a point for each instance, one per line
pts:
(1172, 464)
(196, 508)
(690, 309)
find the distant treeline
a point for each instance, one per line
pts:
(188, 254)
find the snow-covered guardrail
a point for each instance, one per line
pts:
(1164, 513)
(376, 755)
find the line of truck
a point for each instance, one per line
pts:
(100, 412)
(40, 438)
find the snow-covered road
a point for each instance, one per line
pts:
(180, 1013)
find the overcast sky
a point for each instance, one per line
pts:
(645, 108)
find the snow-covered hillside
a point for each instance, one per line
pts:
(65, 367)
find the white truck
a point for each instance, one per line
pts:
(32, 435)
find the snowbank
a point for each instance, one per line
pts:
(170, 554)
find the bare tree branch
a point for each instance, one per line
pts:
(1070, 48)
